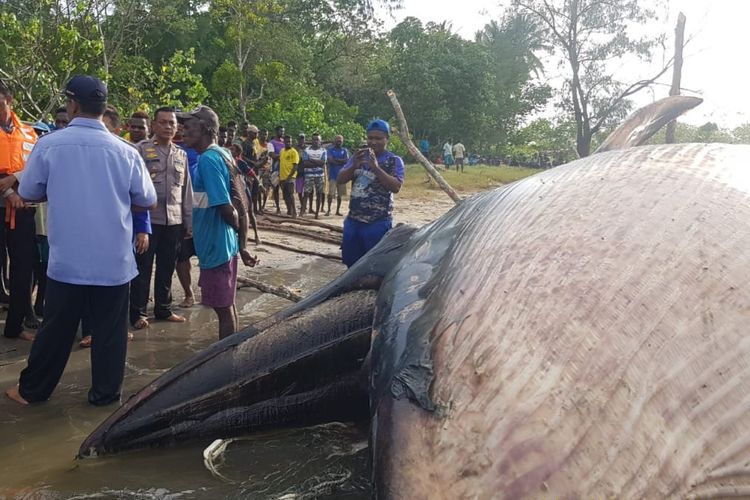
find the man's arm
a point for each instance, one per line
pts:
(388, 181)
(347, 173)
(142, 191)
(230, 216)
(235, 215)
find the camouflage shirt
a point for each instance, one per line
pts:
(370, 201)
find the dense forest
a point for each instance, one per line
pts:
(324, 65)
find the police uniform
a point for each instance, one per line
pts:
(18, 234)
(168, 168)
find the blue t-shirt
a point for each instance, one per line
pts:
(370, 201)
(90, 178)
(215, 240)
(335, 153)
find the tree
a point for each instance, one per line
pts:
(452, 88)
(591, 36)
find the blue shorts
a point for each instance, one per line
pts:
(360, 237)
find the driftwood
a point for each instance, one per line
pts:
(290, 248)
(403, 133)
(280, 291)
(303, 222)
(297, 231)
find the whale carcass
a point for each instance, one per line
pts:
(579, 333)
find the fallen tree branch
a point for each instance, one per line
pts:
(403, 133)
(280, 291)
(289, 248)
(302, 222)
(297, 231)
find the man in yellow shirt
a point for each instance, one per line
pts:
(288, 162)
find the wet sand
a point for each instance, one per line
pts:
(38, 443)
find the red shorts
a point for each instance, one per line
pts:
(219, 284)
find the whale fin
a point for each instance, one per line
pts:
(644, 123)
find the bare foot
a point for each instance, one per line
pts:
(13, 394)
(140, 324)
(187, 302)
(174, 318)
(85, 342)
(24, 335)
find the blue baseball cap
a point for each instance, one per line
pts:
(86, 89)
(380, 125)
(41, 127)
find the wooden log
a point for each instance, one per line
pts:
(303, 222)
(297, 231)
(403, 133)
(290, 248)
(677, 72)
(280, 291)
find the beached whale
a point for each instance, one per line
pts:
(579, 333)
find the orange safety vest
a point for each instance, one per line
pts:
(16, 147)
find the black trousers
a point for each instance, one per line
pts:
(163, 247)
(64, 307)
(22, 253)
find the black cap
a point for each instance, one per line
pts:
(86, 89)
(204, 113)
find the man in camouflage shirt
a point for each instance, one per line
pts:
(376, 174)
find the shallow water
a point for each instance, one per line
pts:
(38, 443)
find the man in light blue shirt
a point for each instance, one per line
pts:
(92, 181)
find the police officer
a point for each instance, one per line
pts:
(171, 220)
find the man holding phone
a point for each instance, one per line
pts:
(377, 174)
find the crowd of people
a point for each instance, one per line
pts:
(94, 209)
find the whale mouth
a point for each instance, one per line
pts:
(307, 364)
(303, 370)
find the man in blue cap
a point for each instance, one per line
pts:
(377, 174)
(92, 181)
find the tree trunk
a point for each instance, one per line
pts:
(677, 71)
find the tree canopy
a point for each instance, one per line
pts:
(325, 65)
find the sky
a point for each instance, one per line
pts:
(714, 68)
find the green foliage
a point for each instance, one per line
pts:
(57, 46)
(137, 84)
(708, 132)
(451, 88)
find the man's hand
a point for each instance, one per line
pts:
(16, 201)
(7, 182)
(141, 243)
(247, 259)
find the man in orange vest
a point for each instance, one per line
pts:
(17, 229)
